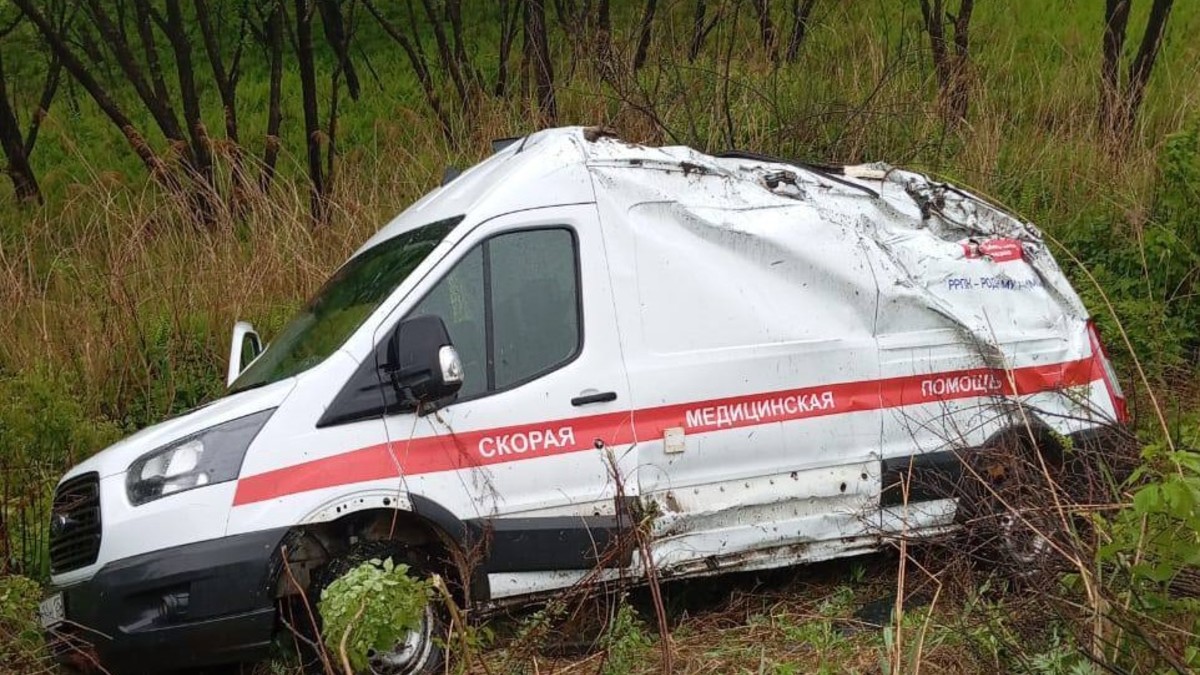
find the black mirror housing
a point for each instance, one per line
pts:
(422, 362)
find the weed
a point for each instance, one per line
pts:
(21, 643)
(369, 609)
(625, 643)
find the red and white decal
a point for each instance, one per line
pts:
(996, 250)
(470, 449)
(1111, 383)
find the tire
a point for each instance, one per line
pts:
(1007, 506)
(424, 652)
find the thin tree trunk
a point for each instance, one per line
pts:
(604, 46)
(419, 66)
(49, 89)
(182, 47)
(445, 53)
(1120, 105)
(454, 16)
(509, 13)
(960, 84)
(24, 182)
(1116, 19)
(801, 15)
(537, 52)
(1143, 63)
(331, 133)
(950, 59)
(766, 27)
(274, 37)
(932, 16)
(145, 28)
(226, 80)
(645, 28)
(698, 24)
(308, 94)
(339, 41)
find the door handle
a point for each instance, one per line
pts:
(602, 397)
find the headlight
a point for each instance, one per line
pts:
(210, 456)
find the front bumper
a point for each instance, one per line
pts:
(199, 604)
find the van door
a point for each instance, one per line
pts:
(520, 455)
(753, 369)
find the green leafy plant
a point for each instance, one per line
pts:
(21, 644)
(371, 607)
(624, 642)
(43, 430)
(1159, 536)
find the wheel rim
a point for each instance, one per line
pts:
(410, 653)
(1025, 545)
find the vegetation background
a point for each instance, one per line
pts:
(256, 143)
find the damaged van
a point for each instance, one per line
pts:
(747, 357)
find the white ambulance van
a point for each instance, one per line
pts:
(746, 355)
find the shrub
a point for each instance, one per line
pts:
(43, 430)
(1150, 272)
(378, 603)
(21, 644)
(625, 641)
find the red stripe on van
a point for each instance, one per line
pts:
(484, 447)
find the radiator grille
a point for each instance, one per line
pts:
(75, 524)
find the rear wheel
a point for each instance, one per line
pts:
(422, 650)
(1007, 502)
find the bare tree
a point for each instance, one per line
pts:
(177, 35)
(304, 10)
(268, 31)
(226, 76)
(950, 55)
(17, 149)
(338, 37)
(55, 38)
(1119, 105)
(801, 15)
(509, 14)
(766, 27)
(645, 28)
(701, 27)
(537, 55)
(420, 66)
(446, 54)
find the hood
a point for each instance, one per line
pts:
(117, 457)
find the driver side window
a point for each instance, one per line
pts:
(511, 307)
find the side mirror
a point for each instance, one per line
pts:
(243, 348)
(422, 363)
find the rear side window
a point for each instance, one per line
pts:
(511, 307)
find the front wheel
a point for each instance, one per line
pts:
(421, 651)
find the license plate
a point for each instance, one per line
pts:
(52, 611)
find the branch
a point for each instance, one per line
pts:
(49, 89)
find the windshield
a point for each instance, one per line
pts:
(342, 304)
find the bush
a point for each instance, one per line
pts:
(378, 603)
(1152, 550)
(22, 646)
(625, 642)
(44, 429)
(1150, 272)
